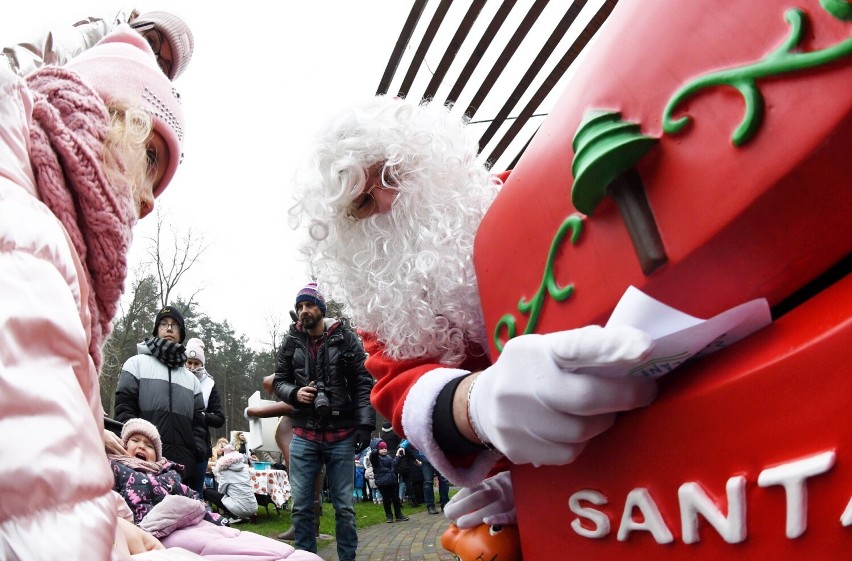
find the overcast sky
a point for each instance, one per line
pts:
(263, 76)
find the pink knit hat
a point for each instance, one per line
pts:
(195, 349)
(143, 427)
(175, 31)
(122, 67)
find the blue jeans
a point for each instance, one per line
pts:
(306, 457)
(200, 474)
(429, 472)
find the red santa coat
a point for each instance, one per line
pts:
(406, 393)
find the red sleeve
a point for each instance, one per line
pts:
(394, 379)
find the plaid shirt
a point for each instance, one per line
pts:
(329, 436)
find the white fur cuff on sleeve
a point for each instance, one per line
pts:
(417, 425)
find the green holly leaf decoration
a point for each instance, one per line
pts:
(604, 148)
(840, 9)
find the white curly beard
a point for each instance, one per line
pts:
(406, 275)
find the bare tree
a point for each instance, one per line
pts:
(172, 253)
(174, 260)
(276, 332)
(134, 321)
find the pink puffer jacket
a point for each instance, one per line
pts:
(54, 479)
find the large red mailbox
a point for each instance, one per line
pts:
(708, 146)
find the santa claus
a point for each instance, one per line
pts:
(392, 197)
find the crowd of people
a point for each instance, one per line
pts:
(93, 133)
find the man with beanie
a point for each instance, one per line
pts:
(156, 386)
(320, 372)
(213, 414)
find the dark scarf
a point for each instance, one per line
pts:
(171, 354)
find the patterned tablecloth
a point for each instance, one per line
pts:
(272, 482)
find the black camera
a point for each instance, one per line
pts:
(321, 404)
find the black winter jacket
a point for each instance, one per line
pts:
(213, 417)
(340, 365)
(384, 468)
(171, 399)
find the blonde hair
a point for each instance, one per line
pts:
(221, 440)
(126, 149)
(237, 442)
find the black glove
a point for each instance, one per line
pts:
(362, 439)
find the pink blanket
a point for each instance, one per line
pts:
(219, 543)
(173, 512)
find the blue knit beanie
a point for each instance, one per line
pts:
(312, 295)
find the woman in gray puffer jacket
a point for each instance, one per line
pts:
(236, 493)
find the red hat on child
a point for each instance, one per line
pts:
(382, 445)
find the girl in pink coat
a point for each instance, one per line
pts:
(84, 150)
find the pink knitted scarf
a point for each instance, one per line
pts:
(138, 464)
(70, 123)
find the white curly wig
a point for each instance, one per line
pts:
(406, 275)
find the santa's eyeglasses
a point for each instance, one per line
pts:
(365, 204)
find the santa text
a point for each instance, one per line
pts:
(642, 514)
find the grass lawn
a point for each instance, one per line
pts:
(366, 514)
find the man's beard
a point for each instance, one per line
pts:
(310, 321)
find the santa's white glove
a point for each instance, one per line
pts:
(490, 502)
(531, 405)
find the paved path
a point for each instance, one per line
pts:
(419, 539)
